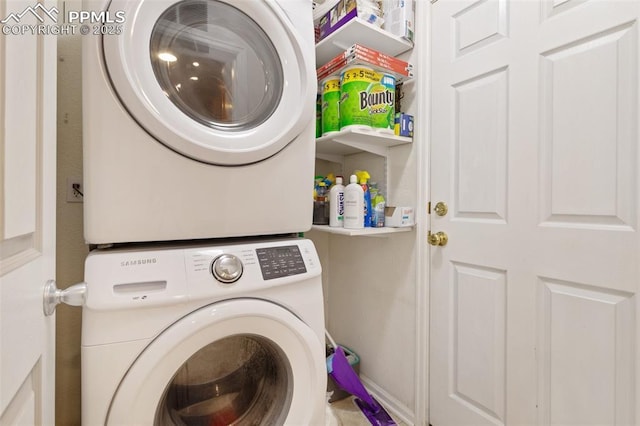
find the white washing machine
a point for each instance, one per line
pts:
(215, 335)
(198, 119)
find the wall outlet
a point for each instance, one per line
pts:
(75, 190)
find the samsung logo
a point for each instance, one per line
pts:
(136, 262)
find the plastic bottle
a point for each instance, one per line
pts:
(321, 205)
(353, 204)
(373, 191)
(336, 203)
(363, 176)
(377, 206)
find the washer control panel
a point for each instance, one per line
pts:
(255, 266)
(123, 278)
(281, 261)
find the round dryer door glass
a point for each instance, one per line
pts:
(216, 64)
(242, 379)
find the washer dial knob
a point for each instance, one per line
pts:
(226, 268)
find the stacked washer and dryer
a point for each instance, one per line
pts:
(202, 307)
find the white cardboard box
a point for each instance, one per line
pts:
(398, 18)
(399, 217)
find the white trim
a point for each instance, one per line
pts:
(396, 408)
(422, 134)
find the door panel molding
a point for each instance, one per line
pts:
(484, 22)
(586, 345)
(481, 147)
(592, 122)
(479, 331)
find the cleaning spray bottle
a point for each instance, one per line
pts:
(377, 206)
(363, 177)
(353, 204)
(336, 203)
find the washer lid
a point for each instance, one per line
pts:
(152, 391)
(218, 81)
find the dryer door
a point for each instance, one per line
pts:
(222, 82)
(243, 361)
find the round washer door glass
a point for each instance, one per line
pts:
(242, 378)
(216, 64)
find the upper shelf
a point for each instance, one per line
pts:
(361, 32)
(353, 141)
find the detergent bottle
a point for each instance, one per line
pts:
(336, 203)
(363, 177)
(353, 204)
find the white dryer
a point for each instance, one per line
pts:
(215, 335)
(198, 119)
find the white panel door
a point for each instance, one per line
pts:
(27, 214)
(535, 150)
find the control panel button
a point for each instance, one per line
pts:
(278, 262)
(226, 268)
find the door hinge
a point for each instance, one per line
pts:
(429, 207)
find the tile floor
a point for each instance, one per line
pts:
(345, 413)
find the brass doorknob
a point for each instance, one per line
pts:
(438, 239)
(441, 208)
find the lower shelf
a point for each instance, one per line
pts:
(364, 232)
(352, 141)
